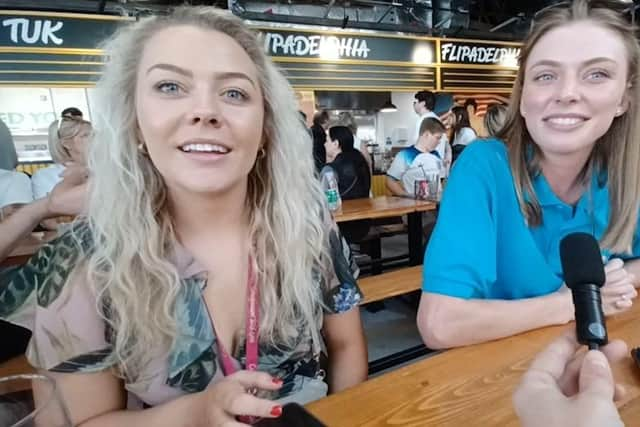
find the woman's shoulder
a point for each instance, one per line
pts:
(486, 151)
(484, 158)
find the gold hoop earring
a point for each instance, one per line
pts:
(143, 149)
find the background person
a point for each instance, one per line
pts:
(354, 176)
(319, 133)
(417, 161)
(494, 119)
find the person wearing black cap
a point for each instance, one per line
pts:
(71, 113)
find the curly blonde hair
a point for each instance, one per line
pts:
(130, 267)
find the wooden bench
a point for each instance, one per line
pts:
(387, 285)
(394, 283)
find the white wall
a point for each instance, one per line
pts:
(28, 112)
(398, 125)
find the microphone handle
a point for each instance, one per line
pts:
(591, 328)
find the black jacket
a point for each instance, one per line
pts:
(319, 153)
(354, 176)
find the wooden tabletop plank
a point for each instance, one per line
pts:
(470, 386)
(380, 207)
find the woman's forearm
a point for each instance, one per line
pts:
(348, 366)
(446, 322)
(20, 224)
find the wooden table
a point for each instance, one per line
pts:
(27, 247)
(470, 386)
(380, 207)
(389, 206)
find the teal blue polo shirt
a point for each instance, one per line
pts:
(482, 246)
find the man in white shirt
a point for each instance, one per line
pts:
(423, 105)
(417, 161)
(66, 198)
(15, 191)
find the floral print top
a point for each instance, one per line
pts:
(49, 297)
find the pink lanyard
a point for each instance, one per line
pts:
(252, 325)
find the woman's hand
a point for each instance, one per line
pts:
(618, 291)
(231, 397)
(68, 197)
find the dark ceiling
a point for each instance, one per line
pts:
(488, 19)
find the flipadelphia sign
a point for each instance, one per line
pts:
(344, 45)
(459, 52)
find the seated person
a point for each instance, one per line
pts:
(417, 161)
(196, 276)
(15, 191)
(354, 176)
(68, 143)
(492, 268)
(15, 187)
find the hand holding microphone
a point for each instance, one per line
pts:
(566, 386)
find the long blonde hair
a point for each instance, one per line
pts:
(130, 266)
(617, 151)
(66, 128)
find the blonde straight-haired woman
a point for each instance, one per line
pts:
(210, 268)
(569, 162)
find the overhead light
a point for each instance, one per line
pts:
(388, 107)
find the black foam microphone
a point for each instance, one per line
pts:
(584, 275)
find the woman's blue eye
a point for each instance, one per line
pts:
(168, 87)
(544, 77)
(235, 94)
(598, 75)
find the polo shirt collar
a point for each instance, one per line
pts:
(593, 196)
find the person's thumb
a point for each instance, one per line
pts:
(596, 378)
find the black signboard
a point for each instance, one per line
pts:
(469, 52)
(63, 49)
(53, 30)
(332, 46)
(53, 49)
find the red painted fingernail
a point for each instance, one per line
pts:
(277, 381)
(276, 411)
